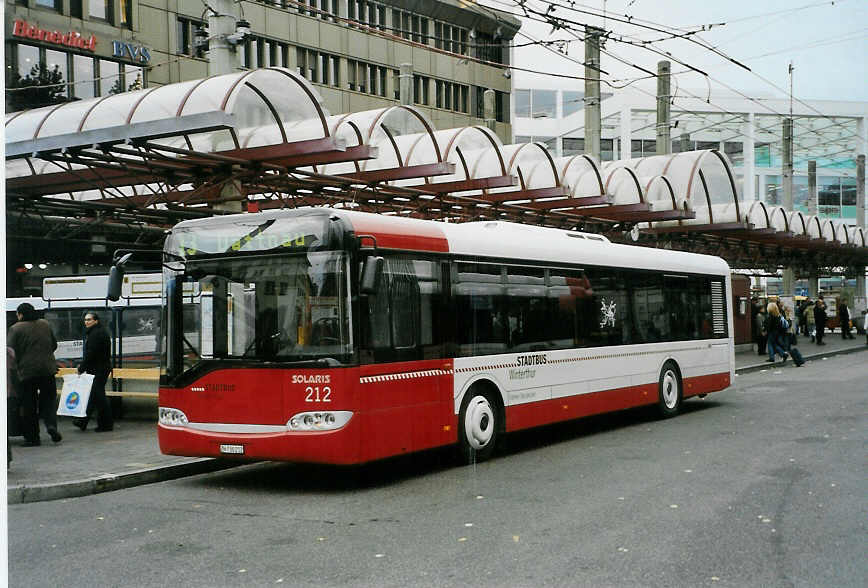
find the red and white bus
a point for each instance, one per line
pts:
(335, 336)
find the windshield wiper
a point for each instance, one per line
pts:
(237, 245)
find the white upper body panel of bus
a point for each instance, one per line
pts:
(505, 240)
(556, 246)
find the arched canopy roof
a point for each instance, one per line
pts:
(264, 134)
(244, 109)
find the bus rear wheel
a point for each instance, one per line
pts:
(670, 395)
(477, 426)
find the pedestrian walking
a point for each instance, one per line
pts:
(96, 360)
(844, 317)
(820, 318)
(790, 339)
(810, 325)
(759, 326)
(775, 332)
(33, 342)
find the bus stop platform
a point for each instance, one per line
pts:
(87, 462)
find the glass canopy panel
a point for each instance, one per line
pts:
(296, 102)
(112, 111)
(24, 126)
(210, 94)
(579, 174)
(16, 168)
(757, 215)
(259, 136)
(418, 149)
(621, 185)
(464, 147)
(652, 165)
(66, 119)
(797, 223)
(387, 131)
(658, 193)
(213, 141)
(778, 218)
(814, 229)
(163, 102)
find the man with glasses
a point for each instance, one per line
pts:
(96, 361)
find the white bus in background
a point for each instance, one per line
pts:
(133, 321)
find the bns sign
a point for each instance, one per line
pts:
(129, 51)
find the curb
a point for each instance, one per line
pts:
(764, 366)
(108, 482)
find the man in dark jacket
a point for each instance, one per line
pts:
(33, 342)
(96, 361)
(844, 318)
(820, 318)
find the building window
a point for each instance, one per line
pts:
(573, 146)
(522, 103)
(100, 10)
(82, 74)
(109, 78)
(51, 4)
(571, 102)
(643, 147)
(186, 31)
(127, 14)
(607, 149)
(39, 77)
(543, 104)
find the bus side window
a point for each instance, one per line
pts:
(395, 328)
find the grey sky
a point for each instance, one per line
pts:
(826, 41)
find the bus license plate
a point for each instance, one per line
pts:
(232, 449)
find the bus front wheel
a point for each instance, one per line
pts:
(670, 394)
(477, 426)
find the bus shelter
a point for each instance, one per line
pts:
(143, 160)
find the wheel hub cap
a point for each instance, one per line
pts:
(479, 422)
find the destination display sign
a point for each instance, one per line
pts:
(271, 235)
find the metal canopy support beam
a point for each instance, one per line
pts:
(168, 127)
(402, 173)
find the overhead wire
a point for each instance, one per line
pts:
(523, 5)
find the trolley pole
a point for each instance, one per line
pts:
(664, 143)
(813, 286)
(592, 91)
(860, 217)
(222, 57)
(787, 181)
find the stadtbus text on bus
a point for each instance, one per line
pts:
(336, 336)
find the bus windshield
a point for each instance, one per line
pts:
(270, 308)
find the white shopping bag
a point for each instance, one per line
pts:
(75, 394)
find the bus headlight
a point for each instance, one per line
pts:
(172, 417)
(319, 421)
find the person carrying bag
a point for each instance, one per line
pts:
(97, 362)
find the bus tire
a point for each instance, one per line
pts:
(478, 424)
(670, 394)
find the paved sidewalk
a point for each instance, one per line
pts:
(87, 462)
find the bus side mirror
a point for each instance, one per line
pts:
(371, 272)
(116, 278)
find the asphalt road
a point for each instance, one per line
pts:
(761, 485)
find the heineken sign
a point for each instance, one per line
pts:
(73, 39)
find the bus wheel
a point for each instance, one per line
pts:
(670, 397)
(477, 426)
